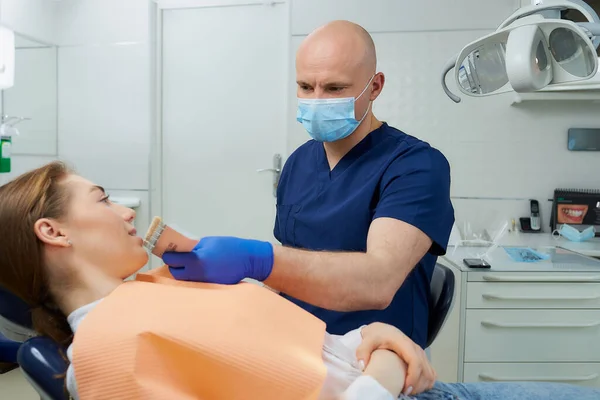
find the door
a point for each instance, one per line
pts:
(224, 80)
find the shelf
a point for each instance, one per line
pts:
(570, 95)
(588, 90)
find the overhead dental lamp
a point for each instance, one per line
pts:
(531, 50)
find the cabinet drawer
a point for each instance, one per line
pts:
(533, 295)
(532, 336)
(574, 374)
(540, 277)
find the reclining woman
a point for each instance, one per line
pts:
(65, 249)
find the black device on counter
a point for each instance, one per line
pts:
(525, 224)
(476, 263)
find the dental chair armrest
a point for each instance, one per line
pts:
(8, 350)
(13, 309)
(43, 362)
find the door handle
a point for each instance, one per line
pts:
(276, 170)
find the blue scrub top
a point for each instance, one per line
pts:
(388, 174)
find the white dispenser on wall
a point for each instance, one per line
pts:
(7, 58)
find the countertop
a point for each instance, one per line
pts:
(518, 239)
(559, 260)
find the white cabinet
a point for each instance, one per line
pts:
(524, 322)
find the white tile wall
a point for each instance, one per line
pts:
(104, 90)
(104, 112)
(394, 15)
(33, 18)
(86, 22)
(34, 95)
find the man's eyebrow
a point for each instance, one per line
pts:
(337, 84)
(328, 84)
(96, 187)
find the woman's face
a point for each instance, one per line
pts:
(101, 232)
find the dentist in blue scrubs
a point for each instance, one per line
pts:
(363, 209)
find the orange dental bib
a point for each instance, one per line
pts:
(158, 338)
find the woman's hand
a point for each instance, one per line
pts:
(421, 375)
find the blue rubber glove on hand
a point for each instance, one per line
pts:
(224, 260)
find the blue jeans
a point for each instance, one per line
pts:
(508, 391)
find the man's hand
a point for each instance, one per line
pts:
(420, 377)
(224, 260)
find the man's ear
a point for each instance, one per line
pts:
(48, 231)
(378, 83)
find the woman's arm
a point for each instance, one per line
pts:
(420, 375)
(383, 379)
(387, 369)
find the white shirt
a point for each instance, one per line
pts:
(344, 378)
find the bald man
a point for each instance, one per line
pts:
(363, 209)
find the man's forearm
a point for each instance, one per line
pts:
(335, 281)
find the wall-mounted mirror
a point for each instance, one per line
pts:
(33, 98)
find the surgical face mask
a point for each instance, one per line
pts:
(328, 120)
(574, 235)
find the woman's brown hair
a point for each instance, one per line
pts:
(33, 195)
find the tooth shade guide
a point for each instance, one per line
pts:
(161, 238)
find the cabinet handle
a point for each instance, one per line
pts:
(585, 378)
(516, 278)
(490, 324)
(488, 296)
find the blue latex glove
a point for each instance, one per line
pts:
(224, 260)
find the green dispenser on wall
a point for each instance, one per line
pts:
(7, 132)
(5, 150)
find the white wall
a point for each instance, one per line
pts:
(104, 90)
(34, 93)
(104, 94)
(496, 150)
(33, 18)
(33, 96)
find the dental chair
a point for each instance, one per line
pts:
(441, 298)
(42, 362)
(14, 322)
(39, 357)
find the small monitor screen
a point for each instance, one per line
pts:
(580, 139)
